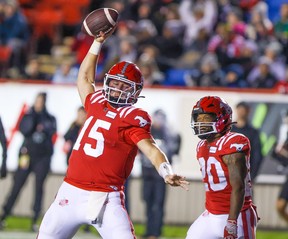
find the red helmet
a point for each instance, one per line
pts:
(129, 74)
(215, 106)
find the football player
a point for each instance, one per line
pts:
(103, 154)
(223, 157)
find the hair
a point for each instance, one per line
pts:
(160, 112)
(43, 95)
(243, 104)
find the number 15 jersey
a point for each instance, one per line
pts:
(215, 172)
(104, 153)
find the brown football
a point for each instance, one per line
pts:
(102, 19)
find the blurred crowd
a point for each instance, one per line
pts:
(200, 43)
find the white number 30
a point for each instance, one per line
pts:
(93, 134)
(216, 181)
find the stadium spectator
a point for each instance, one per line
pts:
(259, 16)
(80, 46)
(271, 55)
(263, 76)
(222, 26)
(150, 72)
(198, 16)
(224, 7)
(273, 52)
(38, 127)
(33, 71)
(227, 44)
(234, 21)
(208, 74)
(248, 5)
(282, 86)
(281, 29)
(15, 33)
(128, 49)
(249, 56)
(169, 45)
(66, 73)
(234, 76)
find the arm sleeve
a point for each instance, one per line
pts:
(28, 124)
(138, 126)
(3, 140)
(134, 135)
(67, 135)
(50, 126)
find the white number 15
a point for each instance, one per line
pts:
(93, 134)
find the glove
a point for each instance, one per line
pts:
(3, 171)
(230, 230)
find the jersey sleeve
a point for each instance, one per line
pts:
(236, 143)
(137, 126)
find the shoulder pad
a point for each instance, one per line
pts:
(134, 116)
(235, 142)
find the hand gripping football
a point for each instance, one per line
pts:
(102, 19)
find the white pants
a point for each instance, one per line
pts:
(211, 226)
(69, 211)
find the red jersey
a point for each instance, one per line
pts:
(104, 153)
(215, 172)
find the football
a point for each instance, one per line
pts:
(102, 19)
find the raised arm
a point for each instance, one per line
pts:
(87, 71)
(86, 75)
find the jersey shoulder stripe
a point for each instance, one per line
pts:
(226, 138)
(124, 111)
(97, 97)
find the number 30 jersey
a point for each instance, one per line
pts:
(215, 172)
(104, 153)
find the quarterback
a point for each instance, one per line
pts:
(223, 157)
(103, 155)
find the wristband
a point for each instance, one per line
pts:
(165, 169)
(95, 48)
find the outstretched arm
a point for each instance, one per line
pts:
(150, 149)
